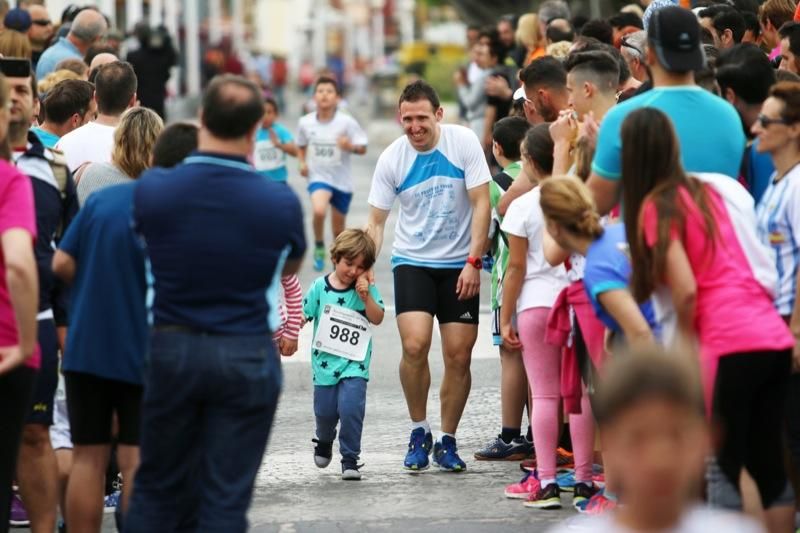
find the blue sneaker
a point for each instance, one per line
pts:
(111, 502)
(445, 455)
(419, 447)
(565, 477)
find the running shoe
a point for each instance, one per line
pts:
(323, 452)
(319, 258)
(548, 497)
(499, 450)
(350, 471)
(597, 504)
(564, 459)
(582, 493)
(419, 447)
(523, 490)
(565, 477)
(445, 455)
(18, 515)
(111, 502)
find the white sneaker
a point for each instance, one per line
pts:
(351, 474)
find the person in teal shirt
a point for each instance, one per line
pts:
(340, 383)
(273, 143)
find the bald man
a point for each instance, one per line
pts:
(87, 28)
(40, 32)
(98, 61)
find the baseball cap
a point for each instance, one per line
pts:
(519, 94)
(18, 19)
(674, 33)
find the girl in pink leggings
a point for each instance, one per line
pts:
(531, 287)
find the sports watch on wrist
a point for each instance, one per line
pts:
(476, 262)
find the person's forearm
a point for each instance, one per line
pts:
(520, 186)
(290, 149)
(373, 311)
(301, 154)
(375, 231)
(481, 216)
(512, 286)
(562, 159)
(23, 291)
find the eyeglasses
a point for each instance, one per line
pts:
(766, 122)
(42, 22)
(626, 44)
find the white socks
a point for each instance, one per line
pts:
(421, 424)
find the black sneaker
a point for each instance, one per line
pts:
(546, 498)
(583, 493)
(350, 471)
(498, 450)
(323, 452)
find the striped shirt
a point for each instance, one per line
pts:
(778, 215)
(291, 310)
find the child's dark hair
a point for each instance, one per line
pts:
(509, 133)
(268, 100)
(649, 375)
(174, 144)
(352, 243)
(323, 80)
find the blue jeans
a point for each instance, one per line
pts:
(208, 406)
(344, 402)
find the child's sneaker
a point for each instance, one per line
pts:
(582, 493)
(419, 447)
(350, 471)
(599, 503)
(18, 515)
(523, 489)
(323, 452)
(445, 455)
(548, 497)
(319, 258)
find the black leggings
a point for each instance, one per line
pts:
(749, 399)
(16, 390)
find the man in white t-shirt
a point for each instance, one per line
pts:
(115, 91)
(326, 138)
(439, 175)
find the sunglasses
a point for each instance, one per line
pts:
(766, 122)
(626, 44)
(42, 22)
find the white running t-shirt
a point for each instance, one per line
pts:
(434, 226)
(327, 163)
(91, 143)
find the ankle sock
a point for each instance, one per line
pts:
(421, 424)
(509, 434)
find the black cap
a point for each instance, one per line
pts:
(674, 33)
(15, 67)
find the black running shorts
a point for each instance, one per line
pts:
(433, 291)
(92, 402)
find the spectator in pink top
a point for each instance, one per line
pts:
(19, 297)
(683, 242)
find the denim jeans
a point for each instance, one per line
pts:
(344, 402)
(208, 406)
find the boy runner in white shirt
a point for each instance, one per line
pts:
(326, 138)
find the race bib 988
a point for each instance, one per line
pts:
(343, 332)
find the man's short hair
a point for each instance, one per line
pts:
(232, 106)
(746, 71)
(66, 99)
(601, 68)
(326, 80)
(791, 31)
(420, 90)
(115, 86)
(560, 30)
(623, 19)
(545, 71)
(553, 9)
(174, 143)
(777, 12)
(509, 132)
(600, 30)
(726, 18)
